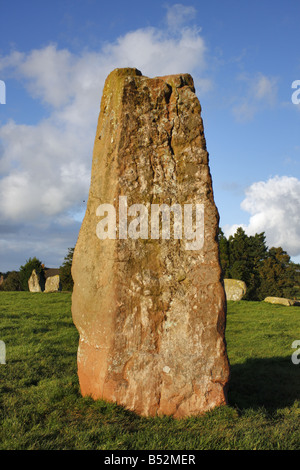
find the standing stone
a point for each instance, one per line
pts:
(234, 289)
(53, 284)
(150, 312)
(281, 301)
(52, 278)
(34, 282)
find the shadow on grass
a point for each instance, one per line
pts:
(268, 382)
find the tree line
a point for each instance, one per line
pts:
(18, 280)
(266, 271)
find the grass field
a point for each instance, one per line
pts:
(41, 406)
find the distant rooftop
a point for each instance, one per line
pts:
(51, 272)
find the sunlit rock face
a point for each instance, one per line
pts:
(150, 309)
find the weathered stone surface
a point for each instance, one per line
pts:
(234, 289)
(151, 314)
(282, 301)
(53, 284)
(34, 282)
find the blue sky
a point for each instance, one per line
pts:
(54, 58)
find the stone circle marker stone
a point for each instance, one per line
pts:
(34, 282)
(282, 301)
(53, 284)
(234, 289)
(150, 310)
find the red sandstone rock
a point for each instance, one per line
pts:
(150, 313)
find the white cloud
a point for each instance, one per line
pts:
(46, 167)
(260, 92)
(274, 206)
(178, 14)
(156, 52)
(49, 74)
(46, 170)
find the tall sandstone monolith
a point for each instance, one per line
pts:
(150, 310)
(34, 282)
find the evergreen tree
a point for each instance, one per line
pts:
(65, 271)
(26, 271)
(238, 255)
(257, 249)
(265, 272)
(245, 256)
(277, 275)
(12, 282)
(295, 269)
(224, 253)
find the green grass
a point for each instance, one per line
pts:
(41, 406)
